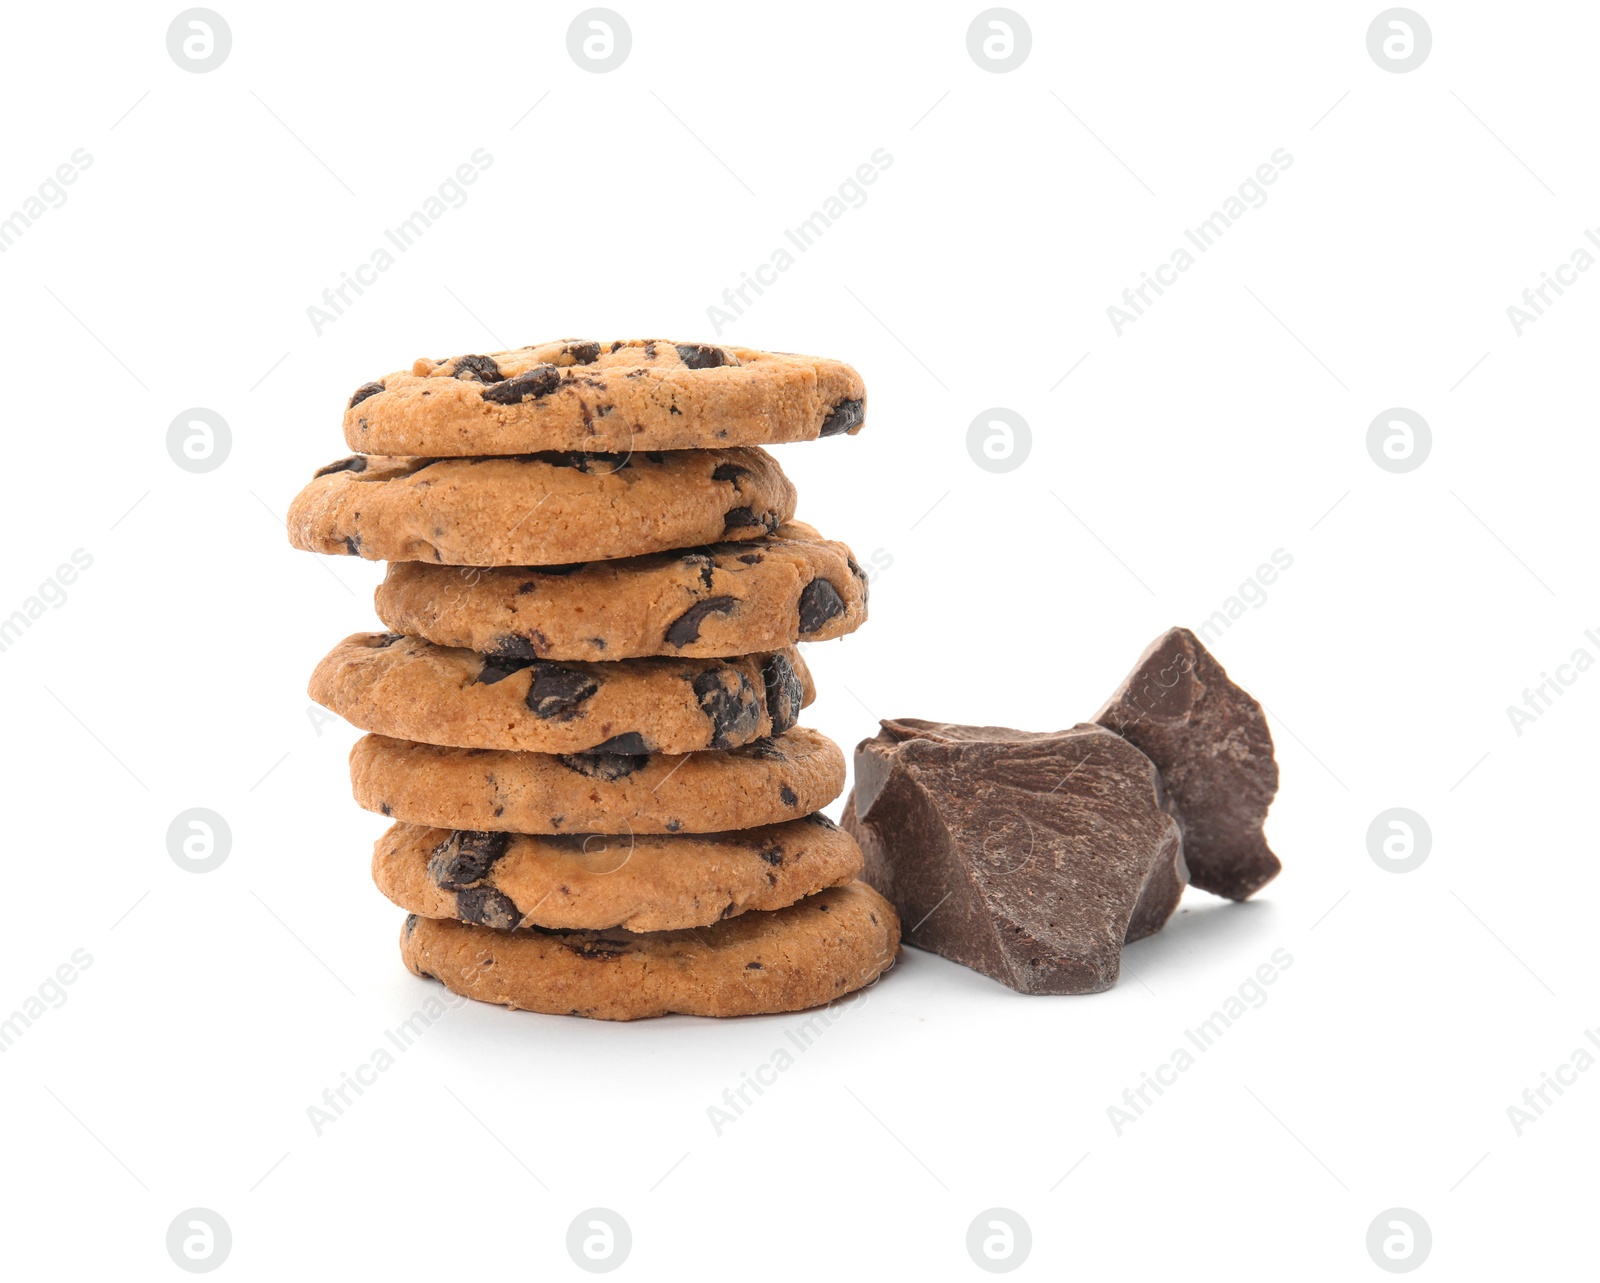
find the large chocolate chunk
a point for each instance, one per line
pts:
(1210, 741)
(1029, 857)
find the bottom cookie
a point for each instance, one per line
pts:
(812, 952)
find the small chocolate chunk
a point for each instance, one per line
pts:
(497, 668)
(465, 857)
(686, 627)
(487, 908)
(1209, 739)
(788, 796)
(352, 545)
(729, 472)
(355, 463)
(584, 353)
(481, 368)
(1029, 857)
(363, 392)
(843, 417)
(819, 602)
(745, 518)
(603, 766)
(729, 701)
(702, 356)
(516, 646)
(538, 382)
(557, 693)
(628, 744)
(785, 693)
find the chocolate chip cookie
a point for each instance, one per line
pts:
(641, 394)
(812, 952)
(411, 689)
(721, 599)
(538, 509)
(639, 882)
(766, 782)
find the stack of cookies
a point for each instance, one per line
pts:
(583, 718)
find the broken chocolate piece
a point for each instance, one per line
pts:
(1210, 741)
(1029, 857)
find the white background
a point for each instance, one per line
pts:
(1227, 422)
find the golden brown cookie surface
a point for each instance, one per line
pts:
(789, 959)
(767, 782)
(574, 394)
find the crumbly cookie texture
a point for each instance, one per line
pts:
(574, 394)
(721, 599)
(538, 509)
(812, 952)
(411, 689)
(767, 782)
(639, 882)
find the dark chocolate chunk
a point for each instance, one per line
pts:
(785, 693)
(822, 821)
(628, 744)
(584, 353)
(497, 668)
(753, 966)
(558, 693)
(481, 368)
(702, 356)
(411, 924)
(751, 558)
(537, 382)
(744, 518)
(487, 908)
(352, 545)
(363, 392)
(729, 472)
(773, 854)
(819, 602)
(355, 463)
(516, 646)
(843, 417)
(603, 766)
(766, 750)
(465, 857)
(729, 701)
(704, 563)
(788, 796)
(387, 639)
(1029, 857)
(1210, 741)
(686, 627)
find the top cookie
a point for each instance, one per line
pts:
(638, 394)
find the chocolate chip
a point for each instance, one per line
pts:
(819, 603)
(465, 857)
(603, 766)
(481, 368)
(729, 472)
(584, 353)
(537, 382)
(411, 924)
(497, 668)
(843, 417)
(705, 564)
(352, 545)
(487, 908)
(355, 463)
(363, 392)
(789, 796)
(729, 700)
(650, 350)
(701, 356)
(753, 966)
(516, 646)
(773, 854)
(752, 558)
(744, 518)
(558, 693)
(382, 640)
(630, 742)
(686, 627)
(822, 821)
(386, 808)
(784, 693)
(672, 826)
(766, 750)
